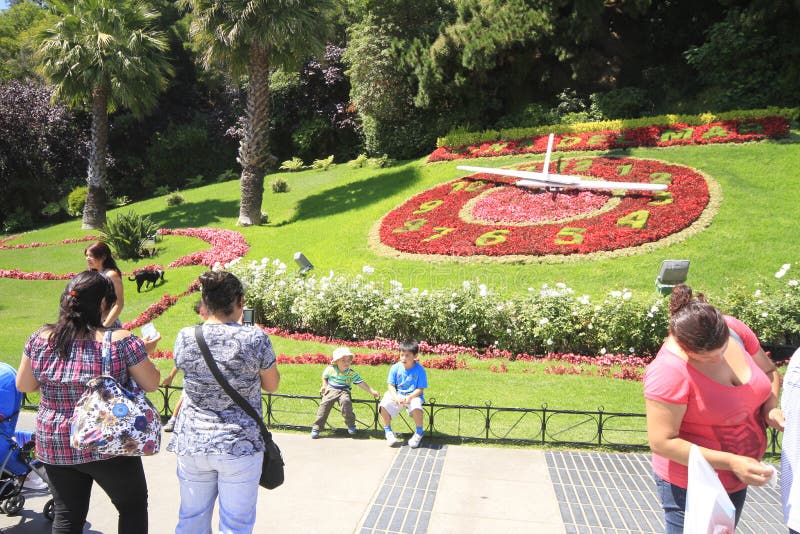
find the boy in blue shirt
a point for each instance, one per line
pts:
(405, 387)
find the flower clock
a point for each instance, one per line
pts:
(484, 216)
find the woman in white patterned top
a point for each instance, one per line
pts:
(219, 446)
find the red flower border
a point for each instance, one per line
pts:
(426, 226)
(730, 131)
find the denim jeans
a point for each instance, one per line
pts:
(673, 500)
(234, 479)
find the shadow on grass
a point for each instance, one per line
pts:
(196, 214)
(354, 195)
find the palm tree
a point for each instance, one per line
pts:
(249, 37)
(106, 54)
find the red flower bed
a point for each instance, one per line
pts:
(732, 131)
(373, 359)
(474, 216)
(226, 246)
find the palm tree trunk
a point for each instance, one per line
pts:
(253, 153)
(94, 211)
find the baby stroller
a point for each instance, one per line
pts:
(16, 449)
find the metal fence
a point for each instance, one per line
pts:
(487, 423)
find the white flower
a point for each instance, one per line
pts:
(757, 293)
(584, 299)
(764, 314)
(603, 350)
(561, 285)
(465, 284)
(367, 269)
(793, 283)
(544, 320)
(616, 294)
(452, 307)
(782, 271)
(549, 341)
(482, 290)
(626, 295)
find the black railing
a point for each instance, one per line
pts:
(487, 423)
(465, 423)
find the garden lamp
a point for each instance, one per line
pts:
(672, 273)
(303, 263)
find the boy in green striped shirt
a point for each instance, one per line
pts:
(337, 380)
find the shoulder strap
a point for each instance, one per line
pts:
(232, 393)
(735, 335)
(106, 353)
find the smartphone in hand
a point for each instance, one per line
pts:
(149, 331)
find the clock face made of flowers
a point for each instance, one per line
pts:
(487, 217)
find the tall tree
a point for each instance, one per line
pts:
(250, 37)
(107, 54)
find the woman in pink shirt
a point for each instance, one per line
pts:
(704, 388)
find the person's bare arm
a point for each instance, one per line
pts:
(270, 379)
(26, 382)
(146, 375)
(116, 309)
(771, 410)
(663, 427)
(366, 387)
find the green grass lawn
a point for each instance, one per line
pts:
(328, 215)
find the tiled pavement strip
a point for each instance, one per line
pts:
(615, 493)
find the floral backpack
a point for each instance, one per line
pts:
(112, 419)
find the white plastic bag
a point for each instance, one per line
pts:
(709, 510)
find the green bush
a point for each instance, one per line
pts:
(197, 181)
(279, 185)
(161, 190)
(312, 135)
(76, 200)
(461, 137)
(175, 199)
(294, 164)
(20, 219)
(323, 164)
(625, 103)
(51, 209)
(358, 162)
(125, 234)
(548, 319)
(227, 175)
(531, 115)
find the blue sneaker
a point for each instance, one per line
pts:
(351, 430)
(314, 433)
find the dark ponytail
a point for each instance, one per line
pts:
(80, 311)
(695, 324)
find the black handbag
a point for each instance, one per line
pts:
(272, 468)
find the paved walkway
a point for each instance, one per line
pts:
(339, 484)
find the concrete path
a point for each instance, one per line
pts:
(337, 484)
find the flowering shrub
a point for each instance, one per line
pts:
(550, 319)
(728, 131)
(772, 310)
(487, 216)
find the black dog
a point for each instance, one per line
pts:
(147, 278)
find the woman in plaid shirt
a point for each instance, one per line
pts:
(58, 360)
